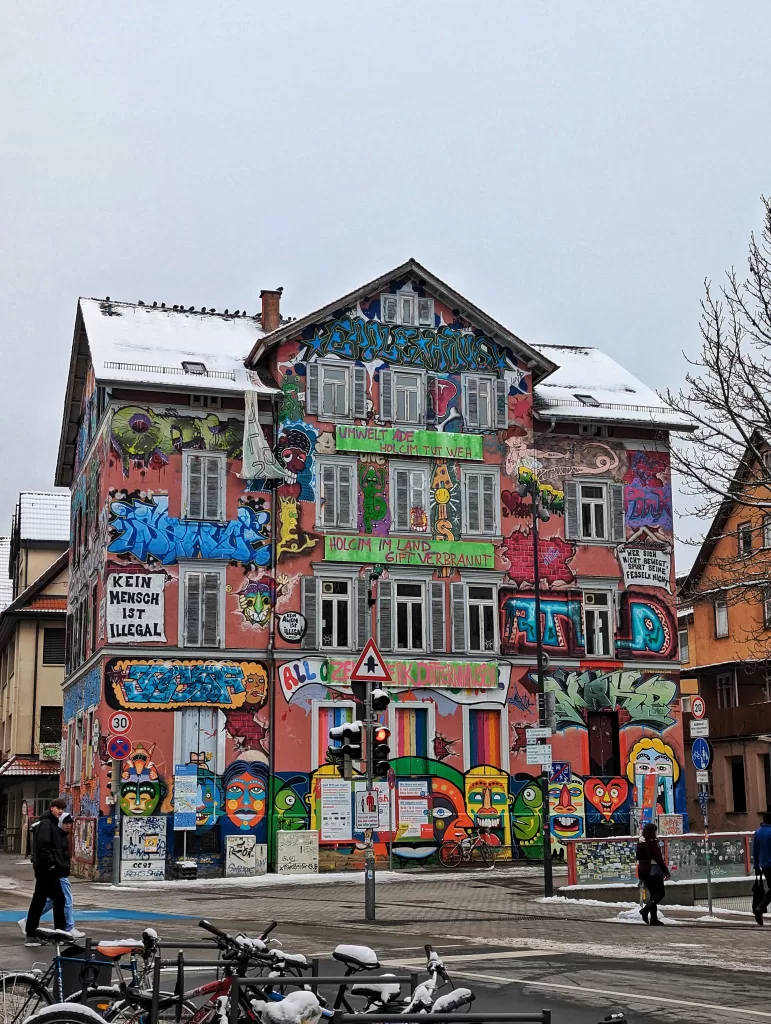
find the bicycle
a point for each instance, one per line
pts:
(473, 848)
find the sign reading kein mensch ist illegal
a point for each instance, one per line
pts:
(399, 441)
(470, 554)
(135, 607)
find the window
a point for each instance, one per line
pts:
(485, 402)
(402, 396)
(744, 539)
(727, 691)
(203, 485)
(50, 725)
(53, 646)
(765, 760)
(484, 737)
(336, 390)
(336, 613)
(603, 742)
(594, 511)
(94, 615)
(682, 637)
(738, 787)
(407, 308)
(480, 502)
(327, 715)
(409, 505)
(206, 401)
(767, 531)
(588, 400)
(409, 615)
(411, 730)
(199, 738)
(77, 749)
(767, 609)
(767, 460)
(474, 618)
(721, 617)
(202, 608)
(335, 495)
(598, 623)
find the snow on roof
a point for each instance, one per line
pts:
(6, 583)
(148, 345)
(589, 385)
(44, 515)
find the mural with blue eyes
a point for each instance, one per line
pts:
(654, 757)
(209, 801)
(245, 788)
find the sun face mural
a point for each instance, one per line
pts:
(608, 796)
(654, 757)
(566, 809)
(245, 784)
(487, 801)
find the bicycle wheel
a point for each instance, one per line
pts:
(450, 854)
(484, 853)
(62, 1013)
(21, 995)
(98, 997)
(124, 1012)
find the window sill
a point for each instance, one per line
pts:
(491, 537)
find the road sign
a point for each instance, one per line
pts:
(699, 727)
(701, 753)
(370, 668)
(540, 754)
(367, 812)
(698, 707)
(541, 732)
(120, 722)
(702, 777)
(119, 747)
(391, 776)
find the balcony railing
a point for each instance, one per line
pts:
(746, 720)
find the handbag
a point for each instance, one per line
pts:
(758, 892)
(655, 871)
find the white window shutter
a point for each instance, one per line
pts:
(212, 490)
(388, 308)
(363, 618)
(192, 618)
(472, 401)
(418, 492)
(488, 504)
(359, 392)
(425, 312)
(328, 496)
(210, 610)
(195, 488)
(384, 615)
(572, 517)
(618, 531)
(401, 507)
(310, 603)
(438, 640)
(345, 510)
(473, 499)
(501, 404)
(312, 387)
(386, 395)
(458, 595)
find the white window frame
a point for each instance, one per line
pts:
(77, 750)
(325, 367)
(605, 502)
(685, 651)
(426, 615)
(742, 530)
(610, 608)
(725, 681)
(493, 603)
(490, 383)
(351, 582)
(316, 705)
(338, 463)
(504, 720)
(413, 467)
(421, 396)
(181, 755)
(766, 531)
(410, 705)
(201, 567)
(220, 457)
(407, 293)
(720, 602)
(494, 474)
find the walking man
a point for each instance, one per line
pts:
(761, 858)
(51, 861)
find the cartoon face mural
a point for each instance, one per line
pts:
(606, 795)
(291, 811)
(566, 809)
(654, 757)
(448, 811)
(256, 599)
(246, 785)
(526, 811)
(487, 801)
(141, 789)
(209, 801)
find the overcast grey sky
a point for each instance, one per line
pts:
(576, 169)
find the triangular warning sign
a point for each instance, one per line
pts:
(370, 668)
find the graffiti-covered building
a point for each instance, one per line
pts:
(254, 497)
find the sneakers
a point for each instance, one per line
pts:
(33, 940)
(76, 933)
(759, 917)
(22, 923)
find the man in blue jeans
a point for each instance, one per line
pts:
(66, 823)
(761, 858)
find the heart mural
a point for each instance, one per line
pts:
(606, 795)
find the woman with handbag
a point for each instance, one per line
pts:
(652, 871)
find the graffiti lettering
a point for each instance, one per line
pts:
(558, 617)
(648, 492)
(646, 699)
(170, 684)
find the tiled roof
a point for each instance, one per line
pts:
(44, 515)
(6, 583)
(48, 603)
(29, 766)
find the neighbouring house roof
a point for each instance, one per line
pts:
(540, 363)
(590, 386)
(33, 602)
(18, 765)
(6, 581)
(43, 515)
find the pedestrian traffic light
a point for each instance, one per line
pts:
(346, 743)
(380, 699)
(113, 781)
(381, 750)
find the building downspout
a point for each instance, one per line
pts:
(271, 653)
(34, 690)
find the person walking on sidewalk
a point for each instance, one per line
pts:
(761, 859)
(651, 870)
(51, 862)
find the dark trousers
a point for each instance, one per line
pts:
(767, 898)
(655, 887)
(47, 887)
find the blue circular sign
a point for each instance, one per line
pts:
(119, 747)
(701, 754)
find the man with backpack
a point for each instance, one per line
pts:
(761, 859)
(51, 862)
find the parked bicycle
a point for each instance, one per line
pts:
(472, 849)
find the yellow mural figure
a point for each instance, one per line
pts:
(487, 802)
(654, 757)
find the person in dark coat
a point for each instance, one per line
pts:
(51, 862)
(761, 859)
(651, 870)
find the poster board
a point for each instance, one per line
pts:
(336, 817)
(135, 607)
(185, 797)
(297, 852)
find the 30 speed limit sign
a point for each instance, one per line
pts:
(698, 707)
(120, 722)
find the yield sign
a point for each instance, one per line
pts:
(370, 668)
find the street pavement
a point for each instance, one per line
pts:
(495, 931)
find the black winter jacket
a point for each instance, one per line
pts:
(50, 849)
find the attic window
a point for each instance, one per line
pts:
(407, 309)
(587, 400)
(189, 367)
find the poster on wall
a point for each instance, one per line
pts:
(412, 810)
(335, 810)
(377, 815)
(135, 607)
(297, 852)
(646, 562)
(670, 824)
(185, 797)
(143, 848)
(245, 857)
(84, 846)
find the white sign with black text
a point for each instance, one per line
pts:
(135, 607)
(646, 566)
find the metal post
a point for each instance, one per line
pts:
(390, 828)
(548, 882)
(705, 790)
(369, 849)
(117, 766)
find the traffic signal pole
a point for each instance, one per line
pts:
(369, 848)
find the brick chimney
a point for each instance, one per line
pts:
(271, 312)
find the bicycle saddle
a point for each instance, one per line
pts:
(116, 948)
(294, 959)
(54, 935)
(385, 992)
(357, 956)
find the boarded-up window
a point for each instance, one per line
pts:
(54, 645)
(203, 597)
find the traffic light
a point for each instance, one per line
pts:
(346, 740)
(381, 750)
(380, 699)
(359, 691)
(113, 781)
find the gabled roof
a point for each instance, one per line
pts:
(43, 515)
(6, 582)
(590, 386)
(33, 599)
(29, 765)
(540, 364)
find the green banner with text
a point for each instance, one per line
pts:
(457, 554)
(398, 441)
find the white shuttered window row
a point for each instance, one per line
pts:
(481, 504)
(201, 619)
(336, 391)
(594, 511)
(336, 494)
(409, 499)
(485, 402)
(203, 485)
(330, 619)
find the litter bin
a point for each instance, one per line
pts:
(76, 970)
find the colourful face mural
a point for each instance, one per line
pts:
(487, 801)
(245, 785)
(448, 811)
(255, 599)
(606, 795)
(526, 812)
(654, 757)
(140, 797)
(291, 811)
(209, 801)
(566, 809)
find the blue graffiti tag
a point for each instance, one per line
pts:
(83, 694)
(145, 529)
(519, 615)
(173, 683)
(648, 630)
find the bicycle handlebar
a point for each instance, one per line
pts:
(209, 927)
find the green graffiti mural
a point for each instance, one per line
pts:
(149, 437)
(645, 697)
(372, 486)
(527, 814)
(290, 409)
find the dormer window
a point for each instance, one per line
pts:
(587, 400)
(406, 308)
(190, 367)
